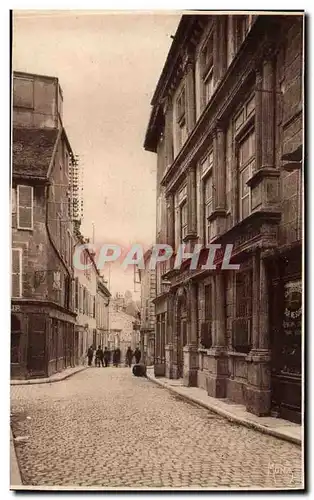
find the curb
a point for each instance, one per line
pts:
(229, 416)
(47, 380)
(15, 474)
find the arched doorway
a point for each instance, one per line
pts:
(181, 329)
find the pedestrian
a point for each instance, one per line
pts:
(137, 355)
(99, 359)
(106, 356)
(118, 356)
(129, 356)
(90, 355)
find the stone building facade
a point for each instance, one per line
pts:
(148, 323)
(102, 312)
(42, 311)
(227, 127)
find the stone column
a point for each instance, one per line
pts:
(190, 351)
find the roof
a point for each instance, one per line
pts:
(32, 150)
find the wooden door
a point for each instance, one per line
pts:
(36, 352)
(286, 344)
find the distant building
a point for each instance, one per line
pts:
(42, 311)
(227, 127)
(148, 327)
(102, 313)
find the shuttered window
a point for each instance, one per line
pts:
(17, 272)
(25, 207)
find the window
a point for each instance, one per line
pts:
(77, 294)
(243, 25)
(23, 92)
(181, 119)
(208, 206)
(25, 207)
(17, 272)
(183, 219)
(207, 70)
(206, 327)
(242, 323)
(246, 161)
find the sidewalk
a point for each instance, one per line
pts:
(282, 429)
(57, 377)
(15, 476)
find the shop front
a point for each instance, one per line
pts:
(286, 335)
(42, 339)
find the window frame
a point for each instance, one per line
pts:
(241, 133)
(18, 207)
(206, 173)
(181, 118)
(242, 168)
(183, 205)
(20, 251)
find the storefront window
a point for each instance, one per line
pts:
(243, 321)
(292, 326)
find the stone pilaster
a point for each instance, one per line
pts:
(190, 95)
(216, 380)
(258, 393)
(190, 352)
(168, 132)
(170, 225)
(218, 216)
(268, 114)
(264, 182)
(191, 192)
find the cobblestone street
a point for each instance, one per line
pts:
(105, 428)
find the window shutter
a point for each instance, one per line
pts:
(25, 207)
(16, 272)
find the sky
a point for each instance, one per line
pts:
(108, 65)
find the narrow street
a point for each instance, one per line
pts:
(105, 428)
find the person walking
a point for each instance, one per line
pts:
(106, 356)
(99, 357)
(129, 356)
(137, 355)
(90, 355)
(118, 356)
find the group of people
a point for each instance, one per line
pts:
(130, 355)
(103, 357)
